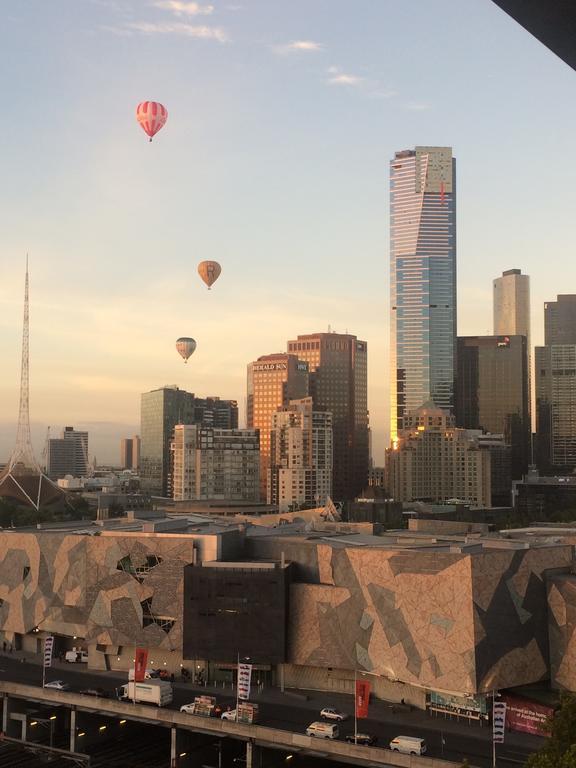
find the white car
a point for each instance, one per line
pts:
(188, 708)
(230, 714)
(58, 685)
(330, 713)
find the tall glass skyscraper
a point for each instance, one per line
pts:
(422, 281)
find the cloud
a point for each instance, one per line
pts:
(175, 28)
(299, 46)
(417, 106)
(180, 8)
(345, 79)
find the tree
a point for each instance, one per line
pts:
(559, 751)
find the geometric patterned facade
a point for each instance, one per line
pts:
(108, 589)
(562, 630)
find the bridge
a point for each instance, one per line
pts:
(15, 724)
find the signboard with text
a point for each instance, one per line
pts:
(140, 662)
(244, 680)
(527, 716)
(362, 698)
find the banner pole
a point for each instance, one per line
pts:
(355, 709)
(237, 684)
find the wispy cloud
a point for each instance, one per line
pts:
(180, 8)
(345, 79)
(298, 46)
(175, 28)
(417, 106)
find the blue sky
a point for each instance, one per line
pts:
(274, 161)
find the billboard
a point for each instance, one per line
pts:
(526, 716)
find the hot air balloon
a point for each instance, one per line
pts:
(209, 271)
(185, 346)
(151, 115)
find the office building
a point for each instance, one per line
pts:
(339, 384)
(422, 281)
(434, 461)
(130, 452)
(68, 454)
(555, 367)
(492, 392)
(511, 306)
(273, 380)
(212, 463)
(300, 474)
(161, 410)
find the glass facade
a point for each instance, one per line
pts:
(556, 407)
(492, 392)
(339, 384)
(422, 281)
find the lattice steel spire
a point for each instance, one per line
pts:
(22, 479)
(23, 453)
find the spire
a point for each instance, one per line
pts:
(23, 453)
(22, 479)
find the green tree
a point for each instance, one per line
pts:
(559, 751)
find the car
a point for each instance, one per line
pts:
(91, 692)
(230, 714)
(330, 713)
(361, 738)
(58, 685)
(188, 708)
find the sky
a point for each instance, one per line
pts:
(274, 161)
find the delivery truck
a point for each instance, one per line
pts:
(157, 692)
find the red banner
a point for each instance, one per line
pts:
(362, 698)
(140, 662)
(526, 716)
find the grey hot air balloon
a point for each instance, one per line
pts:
(185, 346)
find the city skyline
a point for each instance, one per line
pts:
(275, 153)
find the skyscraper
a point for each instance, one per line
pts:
(492, 392)
(422, 281)
(68, 454)
(556, 387)
(300, 473)
(130, 452)
(511, 306)
(273, 380)
(160, 411)
(339, 384)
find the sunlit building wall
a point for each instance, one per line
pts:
(422, 281)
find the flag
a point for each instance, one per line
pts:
(48, 648)
(140, 662)
(362, 698)
(498, 721)
(244, 680)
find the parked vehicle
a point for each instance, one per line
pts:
(230, 714)
(323, 730)
(57, 685)
(409, 745)
(362, 738)
(330, 713)
(205, 706)
(76, 655)
(92, 692)
(157, 692)
(149, 674)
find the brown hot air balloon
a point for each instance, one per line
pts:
(209, 271)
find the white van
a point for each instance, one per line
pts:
(76, 655)
(323, 730)
(409, 745)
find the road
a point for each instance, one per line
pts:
(445, 738)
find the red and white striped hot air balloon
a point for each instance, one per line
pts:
(151, 115)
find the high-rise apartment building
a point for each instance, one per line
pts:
(161, 410)
(436, 462)
(273, 380)
(130, 452)
(492, 392)
(300, 474)
(422, 281)
(339, 384)
(555, 366)
(68, 454)
(213, 463)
